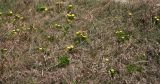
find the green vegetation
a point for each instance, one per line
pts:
(134, 68)
(121, 36)
(80, 37)
(112, 72)
(41, 8)
(63, 61)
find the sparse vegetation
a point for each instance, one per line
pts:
(79, 42)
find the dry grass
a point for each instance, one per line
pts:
(121, 42)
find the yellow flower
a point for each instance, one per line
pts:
(17, 16)
(48, 36)
(117, 32)
(70, 47)
(42, 8)
(107, 59)
(112, 70)
(78, 33)
(40, 48)
(46, 9)
(0, 13)
(120, 31)
(57, 25)
(71, 16)
(157, 19)
(14, 30)
(5, 49)
(84, 36)
(10, 13)
(68, 15)
(15, 33)
(17, 30)
(28, 28)
(70, 6)
(130, 14)
(122, 37)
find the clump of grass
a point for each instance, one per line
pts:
(141, 57)
(63, 61)
(122, 36)
(66, 28)
(134, 68)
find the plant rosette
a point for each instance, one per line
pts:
(81, 37)
(71, 16)
(70, 48)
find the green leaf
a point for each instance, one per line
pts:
(63, 61)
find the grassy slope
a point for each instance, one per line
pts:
(100, 60)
